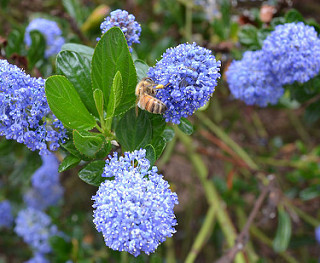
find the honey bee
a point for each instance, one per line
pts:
(146, 91)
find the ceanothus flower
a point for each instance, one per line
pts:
(25, 115)
(294, 52)
(190, 73)
(317, 232)
(6, 218)
(134, 211)
(36, 229)
(121, 18)
(37, 258)
(251, 80)
(51, 32)
(46, 189)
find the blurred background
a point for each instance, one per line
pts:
(239, 146)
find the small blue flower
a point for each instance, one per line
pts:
(294, 52)
(192, 73)
(134, 211)
(317, 232)
(46, 189)
(6, 218)
(121, 18)
(38, 258)
(36, 229)
(24, 112)
(50, 31)
(251, 80)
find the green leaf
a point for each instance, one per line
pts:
(15, 42)
(277, 21)
(248, 37)
(76, 68)
(81, 49)
(312, 113)
(158, 124)
(159, 144)
(111, 55)
(68, 162)
(98, 100)
(293, 16)
(283, 234)
(310, 193)
(37, 48)
(69, 147)
(151, 154)
(91, 173)
(168, 134)
(141, 68)
(65, 103)
(134, 132)
(186, 126)
(87, 143)
(115, 95)
(74, 9)
(61, 248)
(104, 151)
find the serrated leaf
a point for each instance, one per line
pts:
(87, 143)
(81, 49)
(151, 154)
(37, 49)
(98, 100)
(104, 151)
(141, 68)
(186, 126)
(111, 55)
(134, 132)
(91, 173)
(283, 234)
(115, 95)
(76, 68)
(168, 134)
(65, 103)
(68, 162)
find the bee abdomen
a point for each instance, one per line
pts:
(154, 105)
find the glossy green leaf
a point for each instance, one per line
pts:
(186, 126)
(111, 55)
(104, 151)
(115, 95)
(91, 173)
(76, 68)
(80, 49)
(68, 162)
(283, 234)
(37, 49)
(159, 144)
(134, 132)
(98, 100)
(141, 68)
(87, 143)
(69, 147)
(293, 16)
(151, 154)
(158, 124)
(168, 134)
(65, 103)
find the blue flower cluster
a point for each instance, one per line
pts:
(134, 211)
(121, 18)
(50, 31)
(290, 53)
(24, 111)
(6, 217)
(37, 258)
(191, 73)
(317, 232)
(46, 189)
(35, 228)
(251, 80)
(294, 52)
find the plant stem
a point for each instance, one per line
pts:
(202, 236)
(307, 218)
(170, 256)
(226, 138)
(211, 193)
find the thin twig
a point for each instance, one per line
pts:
(243, 237)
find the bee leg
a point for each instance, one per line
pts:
(159, 86)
